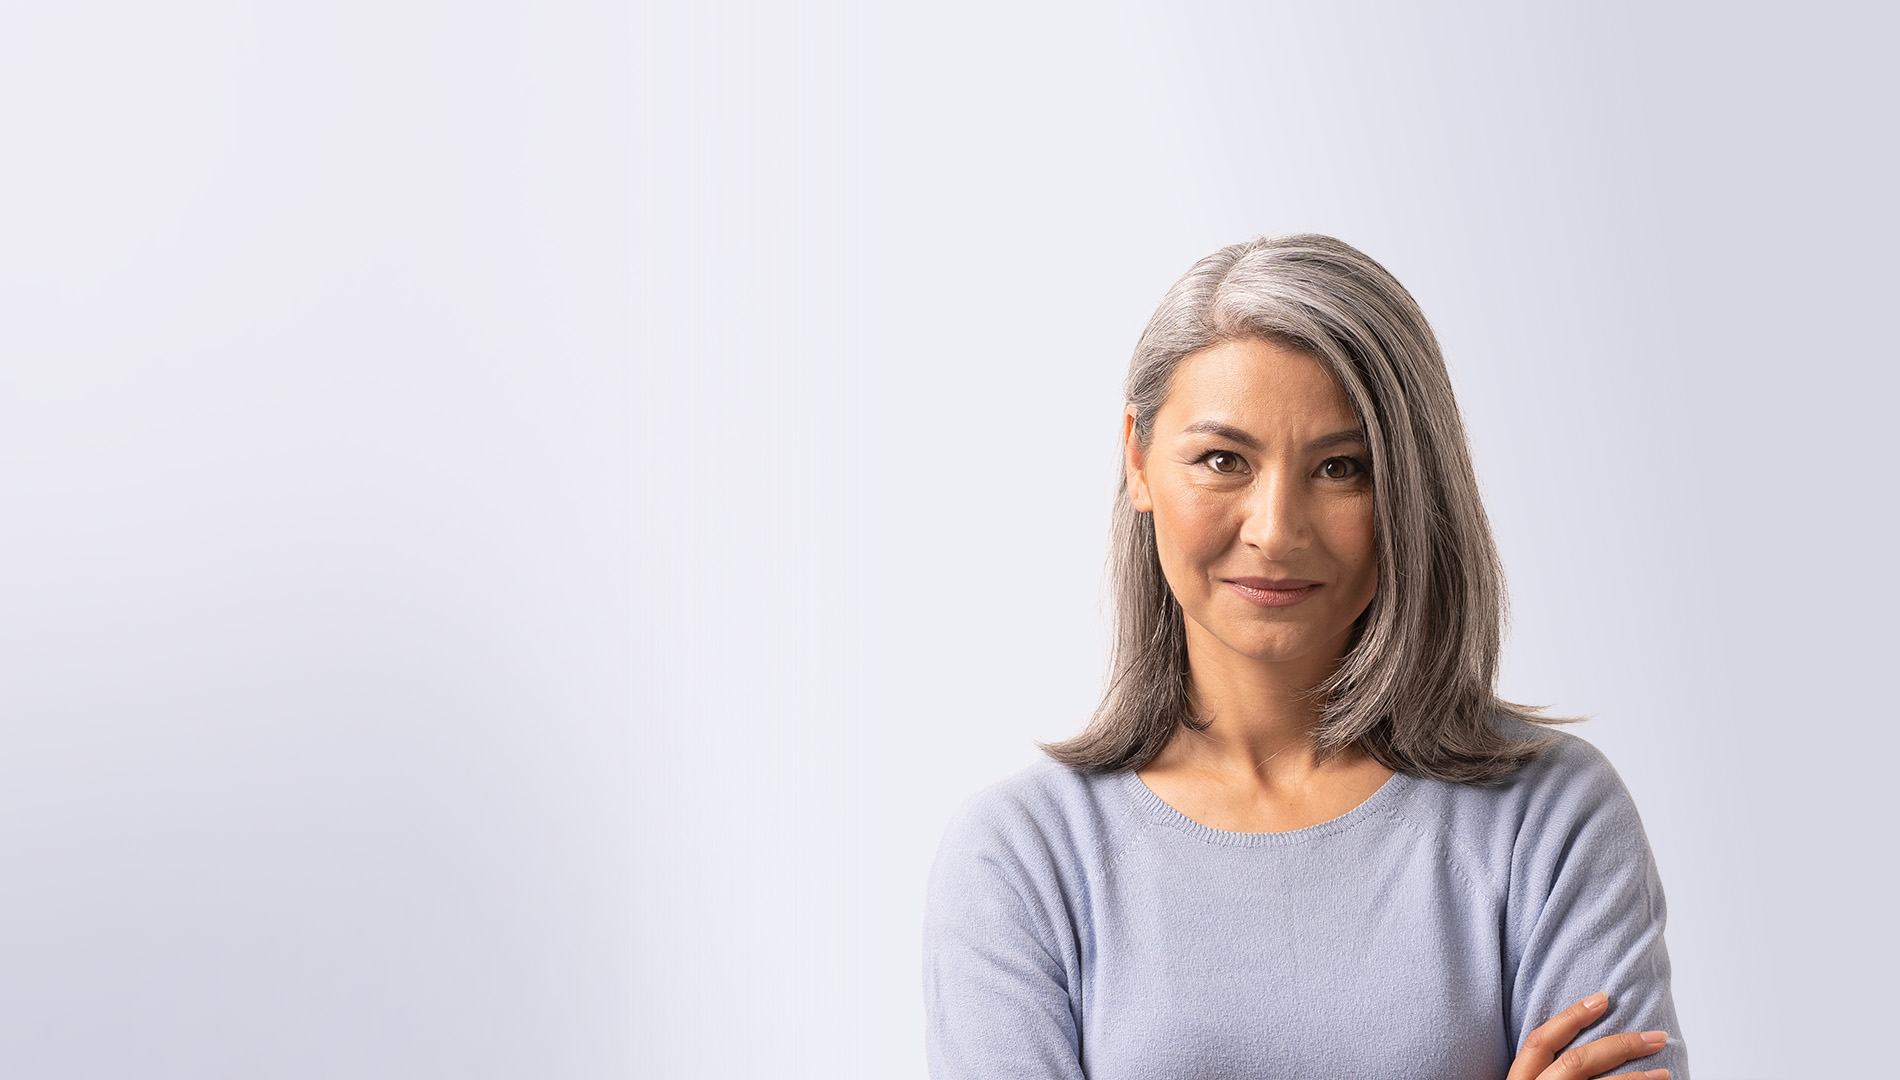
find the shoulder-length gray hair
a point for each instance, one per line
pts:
(1416, 688)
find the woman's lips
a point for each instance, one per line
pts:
(1272, 592)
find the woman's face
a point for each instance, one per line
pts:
(1258, 477)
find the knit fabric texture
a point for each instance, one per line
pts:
(1078, 926)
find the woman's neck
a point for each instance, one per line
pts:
(1257, 767)
(1263, 717)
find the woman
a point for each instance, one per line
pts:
(1302, 836)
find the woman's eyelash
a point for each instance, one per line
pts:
(1240, 462)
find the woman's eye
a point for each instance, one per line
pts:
(1340, 468)
(1223, 462)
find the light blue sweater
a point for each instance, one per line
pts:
(1078, 926)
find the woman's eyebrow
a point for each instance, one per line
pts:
(1224, 431)
(1338, 438)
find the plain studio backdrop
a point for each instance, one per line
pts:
(522, 521)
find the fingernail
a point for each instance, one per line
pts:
(1655, 1038)
(1656, 1074)
(1596, 1001)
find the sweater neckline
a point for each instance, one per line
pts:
(1158, 810)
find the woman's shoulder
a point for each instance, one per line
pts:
(1567, 765)
(1042, 815)
(1569, 790)
(1570, 773)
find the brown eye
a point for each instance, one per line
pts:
(1223, 462)
(1340, 468)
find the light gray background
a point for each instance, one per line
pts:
(523, 520)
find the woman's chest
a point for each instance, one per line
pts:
(1372, 957)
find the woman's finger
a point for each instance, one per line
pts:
(1595, 1058)
(1545, 1042)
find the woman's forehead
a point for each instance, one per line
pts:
(1252, 384)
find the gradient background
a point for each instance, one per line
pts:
(523, 520)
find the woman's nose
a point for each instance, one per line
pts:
(1276, 522)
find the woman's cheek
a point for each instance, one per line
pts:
(1203, 524)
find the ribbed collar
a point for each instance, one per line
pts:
(1155, 809)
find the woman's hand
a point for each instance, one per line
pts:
(1544, 1056)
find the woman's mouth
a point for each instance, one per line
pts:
(1272, 592)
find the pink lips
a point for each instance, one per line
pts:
(1273, 592)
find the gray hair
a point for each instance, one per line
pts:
(1416, 688)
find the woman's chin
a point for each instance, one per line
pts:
(1284, 651)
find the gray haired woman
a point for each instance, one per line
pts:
(1302, 836)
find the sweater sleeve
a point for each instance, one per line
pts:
(1586, 908)
(996, 983)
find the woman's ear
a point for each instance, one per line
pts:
(1131, 459)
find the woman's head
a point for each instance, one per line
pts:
(1298, 334)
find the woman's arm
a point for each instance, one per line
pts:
(1545, 1056)
(1586, 909)
(996, 985)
